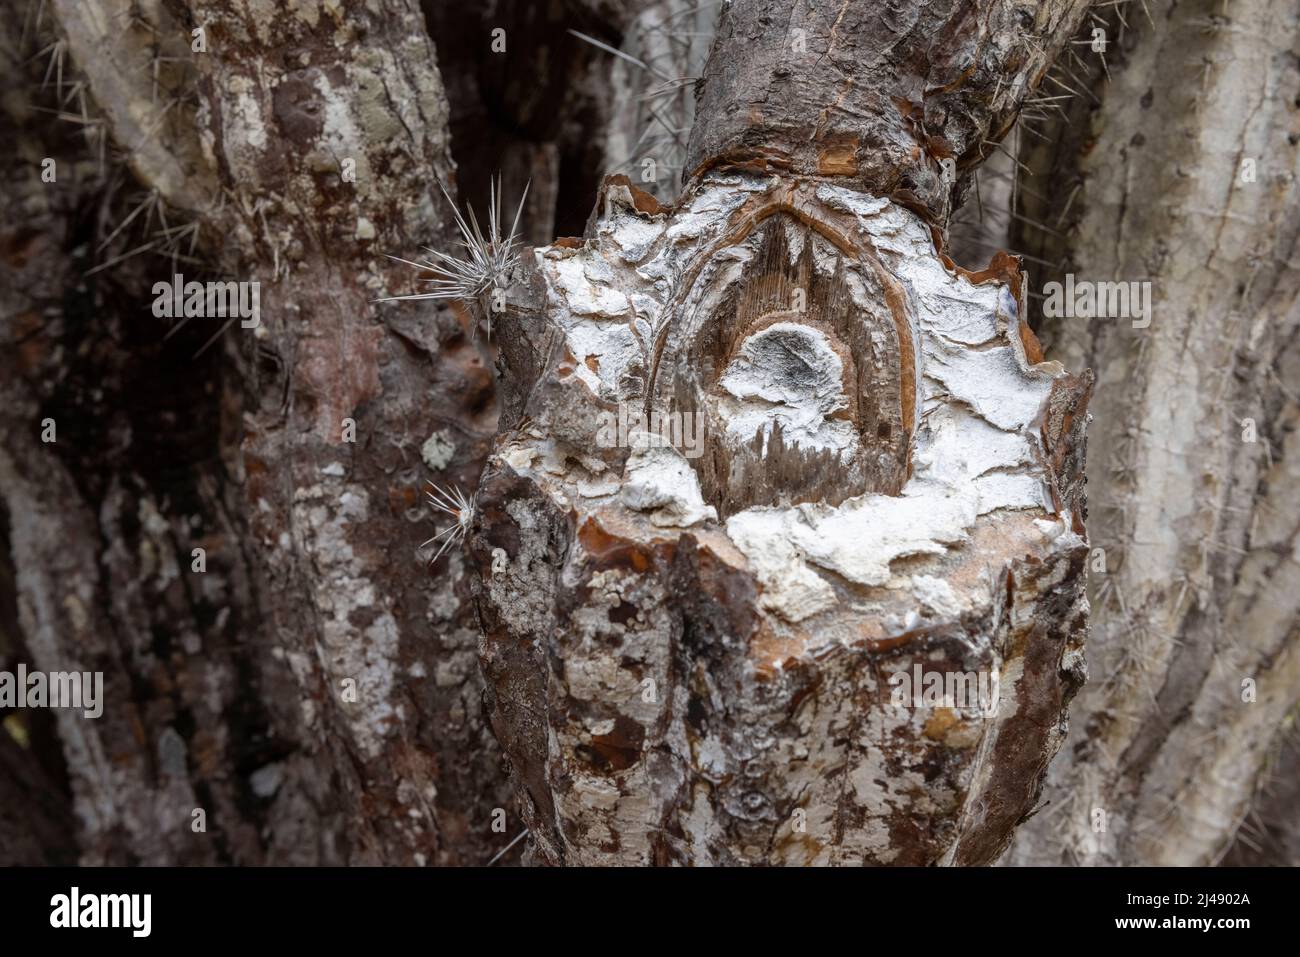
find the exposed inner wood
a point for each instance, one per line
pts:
(864, 445)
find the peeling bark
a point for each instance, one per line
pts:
(689, 656)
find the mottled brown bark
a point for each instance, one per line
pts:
(228, 694)
(344, 400)
(100, 521)
(303, 145)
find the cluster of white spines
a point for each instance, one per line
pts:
(486, 262)
(451, 501)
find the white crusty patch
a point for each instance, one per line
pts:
(936, 596)
(659, 480)
(859, 538)
(977, 400)
(790, 588)
(613, 348)
(582, 295)
(437, 450)
(245, 126)
(989, 381)
(1003, 490)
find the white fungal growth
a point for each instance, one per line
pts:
(788, 373)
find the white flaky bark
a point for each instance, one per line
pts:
(767, 456)
(691, 636)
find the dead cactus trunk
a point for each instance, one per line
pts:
(780, 551)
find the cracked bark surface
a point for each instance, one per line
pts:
(875, 95)
(688, 658)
